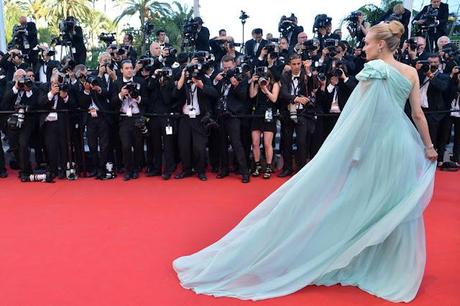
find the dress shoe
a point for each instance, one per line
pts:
(245, 178)
(3, 174)
(285, 172)
(135, 175)
(222, 174)
(92, 173)
(202, 177)
(166, 176)
(61, 174)
(127, 176)
(183, 174)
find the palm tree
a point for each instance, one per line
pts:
(146, 9)
(80, 9)
(173, 23)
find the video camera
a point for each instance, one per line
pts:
(321, 21)
(412, 42)
(16, 121)
(287, 24)
(430, 18)
(331, 44)
(426, 66)
(194, 70)
(108, 38)
(450, 50)
(190, 33)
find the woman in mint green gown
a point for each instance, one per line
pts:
(353, 215)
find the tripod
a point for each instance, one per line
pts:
(243, 18)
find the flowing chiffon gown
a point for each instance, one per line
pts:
(351, 216)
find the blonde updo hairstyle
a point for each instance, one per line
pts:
(389, 32)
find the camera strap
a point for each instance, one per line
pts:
(19, 98)
(190, 94)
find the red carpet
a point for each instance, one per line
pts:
(112, 243)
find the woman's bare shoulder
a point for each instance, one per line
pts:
(408, 71)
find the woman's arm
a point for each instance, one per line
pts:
(419, 118)
(272, 95)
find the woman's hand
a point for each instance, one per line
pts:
(431, 153)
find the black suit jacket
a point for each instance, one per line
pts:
(443, 15)
(45, 104)
(116, 88)
(287, 98)
(250, 45)
(436, 94)
(205, 96)
(202, 40)
(344, 90)
(237, 98)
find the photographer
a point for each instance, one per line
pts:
(289, 29)
(254, 46)
(24, 37)
(449, 56)
(433, 85)
(202, 38)
(45, 65)
(401, 14)
(127, 97)
(11, 62)
(264, 90)
(162, 129)
(93, 99)
(322, 27)
(433, 18)
(128, 46)
(297, 111)
(194, 91)
(357, 27)
(21, 98)
(161, 39)
(72, 32)
(55, 125)
(454, 119)
(232, 85)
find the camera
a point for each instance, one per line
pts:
(141, 123)
(64, 87)
(262, 73)
(165, 72)
(67, 26)
(190, 32)
(25, 82)
(243, 16)
(108, 38)
(16, 120)
(149, 63)
(450, 50)
(331, 45)
(148, 28)
(93, 80)
(427, 66)
(287, 24)
(19, 41)
(237, 72)
(321, 21)
(311, 45)
(338, 69)
(430, 18)
(134, 89)
(412, 42)
(322, 76)
(270, 48)
(172, 51)
(71, 171)
(194, 70)
(68, 65)
(208, 122)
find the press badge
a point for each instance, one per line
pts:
(169, 130)
(52, 117)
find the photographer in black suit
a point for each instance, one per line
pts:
(254, 46)
(202, 38)
(74, 33)
(44, 69)
(12, 61)
(24, 37)
(433, 18)
(232, 85)
(297, 112)
(162, 130)
(93, 98)
(54, 124)
(433, 88)
(21, 97)
(194, 91)
(127, 99)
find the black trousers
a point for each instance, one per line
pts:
(2, 156)
(192, 140)
(437, 127)
(115, 155)
(287, 134)
(215, 159)
(455, 121)
(163, 146)
(55, 138)
(19, 140)
(131, 144)
(98, 136)
(230, 129)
